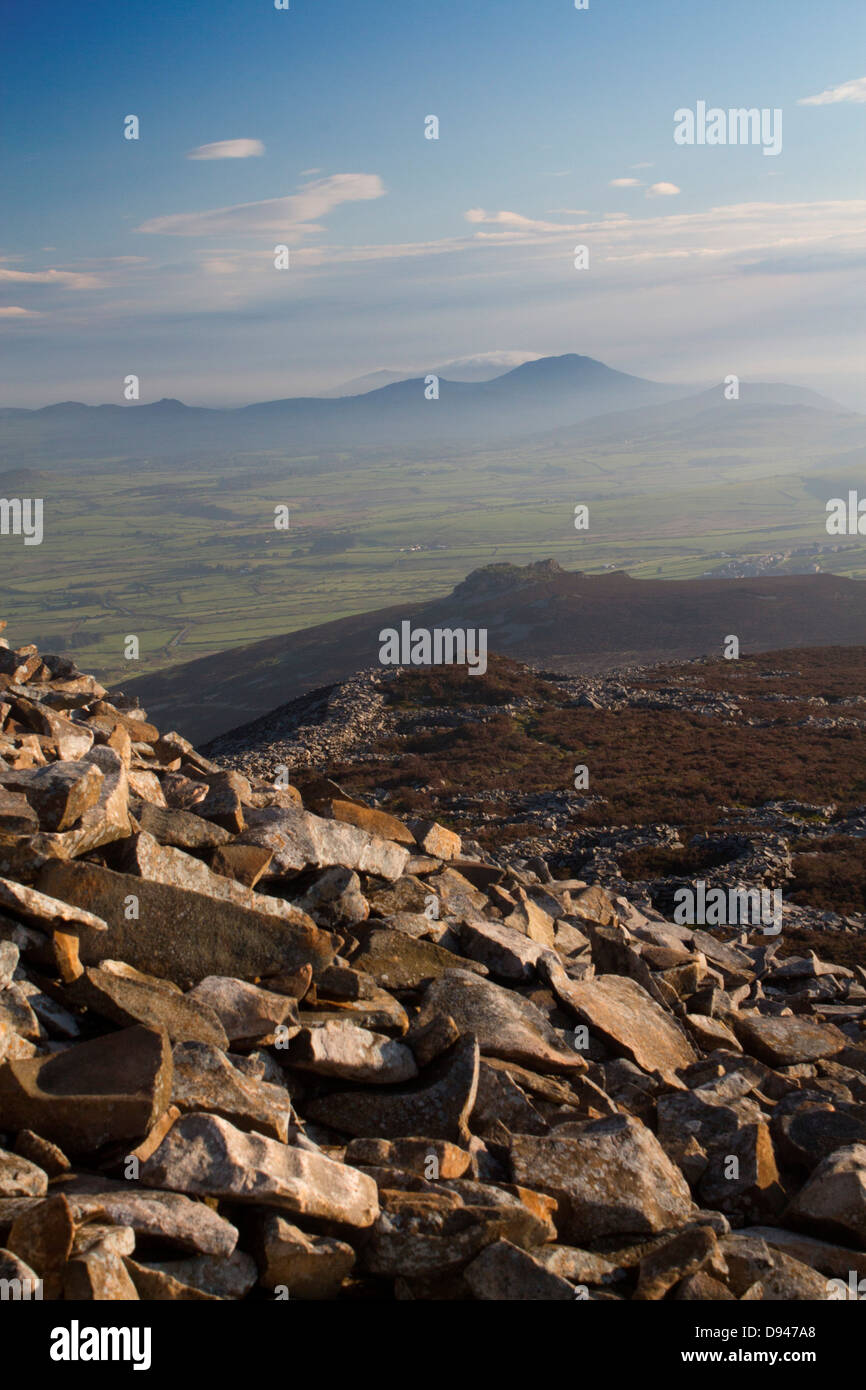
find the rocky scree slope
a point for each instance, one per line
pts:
(259, 1041)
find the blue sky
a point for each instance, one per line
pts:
(120, 256)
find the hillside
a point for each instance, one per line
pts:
(567, 621)
(264, 1039)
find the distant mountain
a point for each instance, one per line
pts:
(564, 621)
(545, 394)
(461, 369)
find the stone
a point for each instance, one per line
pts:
(756, 1187)
(504, 1024)
(131, 998)
(710, 1033)
(502, 1108)
(781, 1042)
(180, 829)
(438, 1106)
(507, 953)
(168, 1217)
(351, 1053)
(614, 1179)
(17, 1015)
(435, 840)
(145, 786)
(244, 863)
(205, 1155)
(59, 793)
(629, 1021)
(674, 1260)
(399, 962)
(308, 1266)
(118, 1239)
(375, 822)
(833, 1200)
(248, 1014)
(39, 1151)
(205, 1080)
(184, 936)
(17, 816)
(51, 914)
(160, 864)
(109, 1090)
(99, 1275)
(231, 1276)
(595, 905)
(335, 898)
(431, 1039)
(428, 1158)
(532, 921)
(702, 1287)
(300, 840)
(21, 1178)
(811, 1133)
(505, 1273)
(43, 1235)
(224, 801)
(156, 1285)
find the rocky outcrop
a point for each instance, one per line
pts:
(266, 1041)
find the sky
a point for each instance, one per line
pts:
(305, 128)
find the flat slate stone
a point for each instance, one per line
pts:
(505, 1024)
(206, 1156)
(169, 1217)
(126, 1000)
(184, 936)
(782, 1042)
(621, 1012)
(300, 840)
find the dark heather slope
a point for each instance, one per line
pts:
(357, 1055)
(565, 621)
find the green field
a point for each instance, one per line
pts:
(187, 558)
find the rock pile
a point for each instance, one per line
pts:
(264, 1041)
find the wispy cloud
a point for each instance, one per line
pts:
(14, 311)
(513, 220)
(855, 91)
(294, 214)
(624, 183)
(71, 279)
(228, 149)
(662, 190)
